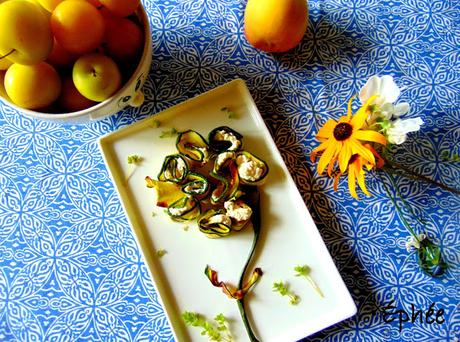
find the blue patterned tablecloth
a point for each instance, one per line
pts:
(69, 266)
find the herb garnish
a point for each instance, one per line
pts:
(156, 123)
(230, 114)
(304, 271)
(134, 160)
(161, 252)
(169, 134)
(217, 331)
(283, 289)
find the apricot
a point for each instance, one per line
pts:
(77, 26)
(275, 26)
(43, 9)
(25, 35)
(71, 100)
(60, 57)
(32, 86)
(123, 38)
(3, 93)
(121, 8)
(49, 5)
(96, 3)
(5, 63)
(96, 76)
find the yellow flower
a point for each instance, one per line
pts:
(341, 140)
(356, 171)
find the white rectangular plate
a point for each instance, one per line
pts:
(289, 236)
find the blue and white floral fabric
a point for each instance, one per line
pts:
(69, 266)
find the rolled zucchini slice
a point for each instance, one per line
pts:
(223, 161)
(239, 212)
(227, 186)
(196, 184)
(215, 224)
(192, 145)
(174, 169)
(224, 138)
(251, 170)
(185, 209)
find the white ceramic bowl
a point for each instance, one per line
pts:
(129, 95)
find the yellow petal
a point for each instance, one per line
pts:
(370, 136)
(344, 157)
(344, 119)
(352, 181)
(331, 166)
(380, 160)
(326, 157)
(313, 156)
(357, 148)
(322, 146)
(350, 102)
(359, 163)
(361, 115)
(336, 181)
(362, 183)
(327, 130)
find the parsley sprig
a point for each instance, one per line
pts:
(133, 160)
(230, 113)
(217, 331)
(304, 271)
(156, 123)
(283, 289)
(169, 134)
(161, 252)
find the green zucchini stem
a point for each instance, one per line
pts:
(256, 229)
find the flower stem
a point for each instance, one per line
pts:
(411, 174)
(255, 205)
(403, 200)
(429, 254)
(398, 209)
(247, 325)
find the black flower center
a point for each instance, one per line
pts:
(343, 131)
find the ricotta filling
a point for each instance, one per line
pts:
(220, 219)
(238, 210)
(179, 211)
(249, 169)
(222, 158)
(224, 136)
